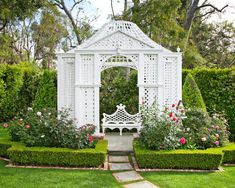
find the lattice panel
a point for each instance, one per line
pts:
(118, 61)
(88, 105)
(70, 87)
(87, 69)
(150, 96)
(119, 40)
(150, 69)
(128, 28)
(170, 80)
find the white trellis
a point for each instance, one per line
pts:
(117, 43)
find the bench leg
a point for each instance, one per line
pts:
(120, 131)
(103, 130)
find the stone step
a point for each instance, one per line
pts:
(120, 166)
(142, 184)
(118, 159)
(119, 153)
(127, 176)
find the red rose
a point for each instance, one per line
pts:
(171, 114)
(174, 119)
(90, 138)
(173, 105)
(27, 126)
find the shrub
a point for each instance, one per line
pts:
(192, 97)
(217, 89)
(11, 81)
(44, 128)
(203, 130)
(160, 129)
(59, 156)
(177, 159)
(46, 93)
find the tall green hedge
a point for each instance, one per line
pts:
(217, 87)
(46, 95)
(192, 97)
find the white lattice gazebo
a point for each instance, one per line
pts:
(116, 44)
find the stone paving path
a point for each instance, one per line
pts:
(126, 174)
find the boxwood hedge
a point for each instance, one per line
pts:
(19, 154)
(182, 159)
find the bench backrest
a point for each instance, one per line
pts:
(121, 116)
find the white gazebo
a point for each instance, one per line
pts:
(116, 44)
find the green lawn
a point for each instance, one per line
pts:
(42, 178)
(192, 180)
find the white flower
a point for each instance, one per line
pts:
(203, 139)
(39, 113)
(42, 136)
(30, 109)
(187, 129)
(21, 119)
(49, 113)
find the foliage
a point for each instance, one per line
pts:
(182, 159)
(215, 42)
(217, 89)
(203, 131)
(46, 93)
(192, 97)
(11, 81)
(114, 90)
(44, 128)
(59, 156)
(160, 129)
(46, 35)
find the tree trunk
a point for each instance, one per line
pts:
(190, 14)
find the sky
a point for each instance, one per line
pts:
(102, 8)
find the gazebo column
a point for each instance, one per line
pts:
(97, 85)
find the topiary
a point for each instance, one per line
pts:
(192, 97)
(46, 93)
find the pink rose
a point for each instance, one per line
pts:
(5, 125)
(27, 126)
(217, 143)
(182, 140)
(217, 135)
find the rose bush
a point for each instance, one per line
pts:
(204, 131)
(50, 129)
(160, 128)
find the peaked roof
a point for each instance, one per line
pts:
(125, 27)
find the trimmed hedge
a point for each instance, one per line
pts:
(192, 97)
(217, 87)
(19, 154)
(177, 159)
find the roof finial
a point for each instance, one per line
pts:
(178, 49)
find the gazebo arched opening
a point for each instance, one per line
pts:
(116, 44)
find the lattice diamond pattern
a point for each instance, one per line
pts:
(150, 69)
(87, 69)
(170, 80)
(150, 96)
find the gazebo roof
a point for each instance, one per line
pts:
(120, 34)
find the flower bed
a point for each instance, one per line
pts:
(183, 159)
(20, 154)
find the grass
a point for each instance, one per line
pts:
(41, 178)
(193, 180)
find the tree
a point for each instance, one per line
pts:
(192, 97)
(216, 43)
(77, 24)
(17, 10)
(46, 35)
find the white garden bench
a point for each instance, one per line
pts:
(121, 119)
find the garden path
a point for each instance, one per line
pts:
(119, 147)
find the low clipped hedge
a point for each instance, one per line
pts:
(20, 154)
(183, 159)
